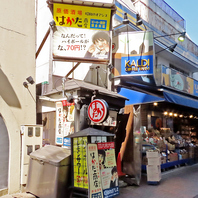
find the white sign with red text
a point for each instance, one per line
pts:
(98, 111)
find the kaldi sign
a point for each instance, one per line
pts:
(98, 111)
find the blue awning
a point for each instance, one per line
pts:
(180, 99)
(136, 97)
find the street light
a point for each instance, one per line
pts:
(181, 37)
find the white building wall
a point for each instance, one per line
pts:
(17, 62)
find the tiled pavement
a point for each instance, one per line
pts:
(176, 183)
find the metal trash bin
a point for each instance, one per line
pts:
(49, 172)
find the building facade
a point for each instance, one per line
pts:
(18, 106)
(158, 26)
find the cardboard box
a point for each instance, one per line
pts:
(153, 173)
(163, 160)
(185, 156)
(154, 161)
(152, 154)
(150, 169)
(173, 157)
(154, 177)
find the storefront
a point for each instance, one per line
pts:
(71, 114)
(168, 98)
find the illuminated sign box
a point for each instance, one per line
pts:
(133, 56)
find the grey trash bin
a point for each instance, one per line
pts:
(49, 172)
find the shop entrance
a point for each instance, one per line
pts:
(4, 155)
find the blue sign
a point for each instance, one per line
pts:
(137, 65)
(98, 24)
(195, 88)
(111, 192)
(67, 142)
(59, 140)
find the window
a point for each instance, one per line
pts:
(180, 70)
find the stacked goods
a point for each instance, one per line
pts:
(173, 157)
(154, 166)
(191, 152)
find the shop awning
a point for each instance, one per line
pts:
(136, 97)
(180, 99)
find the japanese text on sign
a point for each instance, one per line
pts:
(82, 16)
(95, 188)
(80, 163)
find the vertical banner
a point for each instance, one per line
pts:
(108, 169)
(79, 162)
(95, 187)
(59, 123)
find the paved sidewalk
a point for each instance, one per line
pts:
(19, 195)
(176, 183)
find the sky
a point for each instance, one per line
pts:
(188, 10)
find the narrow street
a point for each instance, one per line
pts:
(179, 182)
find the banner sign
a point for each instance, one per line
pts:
(133, 56)
(95, 187)
(108, 169)
(84, 44)
(80, 162)
(82, 17)
(64, 120)
(59, 123)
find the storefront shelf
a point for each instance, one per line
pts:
(171, 164)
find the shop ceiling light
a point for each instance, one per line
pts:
(138, 20)
(155, 103)
(170, 114)
(181, 37)
(125, 20)
(175, 114)
(181, 116)
(165, 113)
(171, 48)
(191, 116)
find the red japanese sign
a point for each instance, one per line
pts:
(98, 111)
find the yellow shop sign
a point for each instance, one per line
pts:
(82, 17)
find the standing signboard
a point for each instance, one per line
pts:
(108, 169)
(80, 162)
(95, 187)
